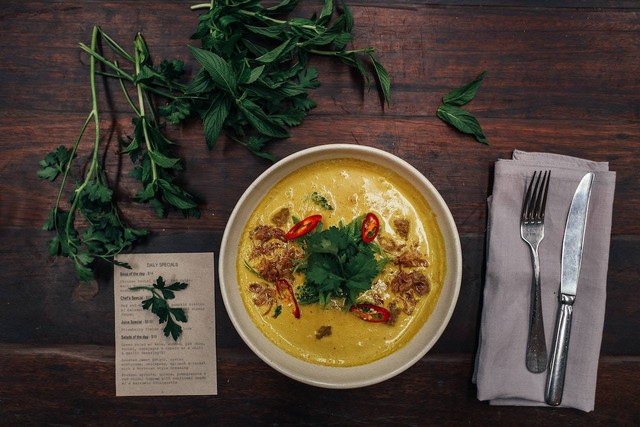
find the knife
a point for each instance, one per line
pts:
(572, 246)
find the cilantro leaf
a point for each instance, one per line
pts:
(321, 201)
(171, 70)
(337, 264)
(361, 269)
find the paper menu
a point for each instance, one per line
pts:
(147, 362)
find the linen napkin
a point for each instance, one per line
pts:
(501, 375)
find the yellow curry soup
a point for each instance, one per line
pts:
(408, 287)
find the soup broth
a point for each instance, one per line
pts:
(409, 245)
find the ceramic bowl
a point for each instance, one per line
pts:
(327, 376)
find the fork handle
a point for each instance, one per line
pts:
(536, 359)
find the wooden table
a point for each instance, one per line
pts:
(562, 77)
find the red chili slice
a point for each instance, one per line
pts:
(285, 291)
(370, 227)
(303, 227)
(371, 313)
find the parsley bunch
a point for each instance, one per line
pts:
(158, 304)
(91, 227)
(148, 148)
(338, 263)
(254, 77)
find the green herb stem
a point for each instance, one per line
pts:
(96, 144)
(95, 55)
(163, 93)
(203, 6)
(158, 88)
(290, 23)
(125, 92)
(141, 113)
(341, 53)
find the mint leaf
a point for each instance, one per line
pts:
(464, 94)
(451, 113)
(463, 121)
(278, 52)
(213, 119)
(259, 119)
(163, 160)
(383, 78)
(220, 70)
(175, 196)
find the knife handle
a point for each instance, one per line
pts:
(559, 352)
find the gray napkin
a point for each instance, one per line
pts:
(501, 375)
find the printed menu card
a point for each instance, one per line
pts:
(165, 325)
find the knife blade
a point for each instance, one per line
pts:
(572, 247)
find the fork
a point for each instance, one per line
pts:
(532, 232)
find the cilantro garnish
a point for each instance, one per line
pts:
(338, 263)
(277, 312)
(157, 303)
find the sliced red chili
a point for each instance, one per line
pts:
(371, 313)
(285, 291)
(303, 227)
(370, 227)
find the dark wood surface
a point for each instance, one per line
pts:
(562, 77)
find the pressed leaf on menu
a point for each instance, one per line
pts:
(158, 304)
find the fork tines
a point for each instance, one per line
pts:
(536, 197)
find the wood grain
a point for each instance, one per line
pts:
(561, 77)
(73, 385)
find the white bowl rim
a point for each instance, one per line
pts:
(328, 376)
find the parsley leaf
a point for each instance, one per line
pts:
(54, 163)
(158, 304)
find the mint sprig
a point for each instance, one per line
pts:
(451, 112)
(254, 78)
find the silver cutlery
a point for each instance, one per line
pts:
(532, 232)
(572, 247)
